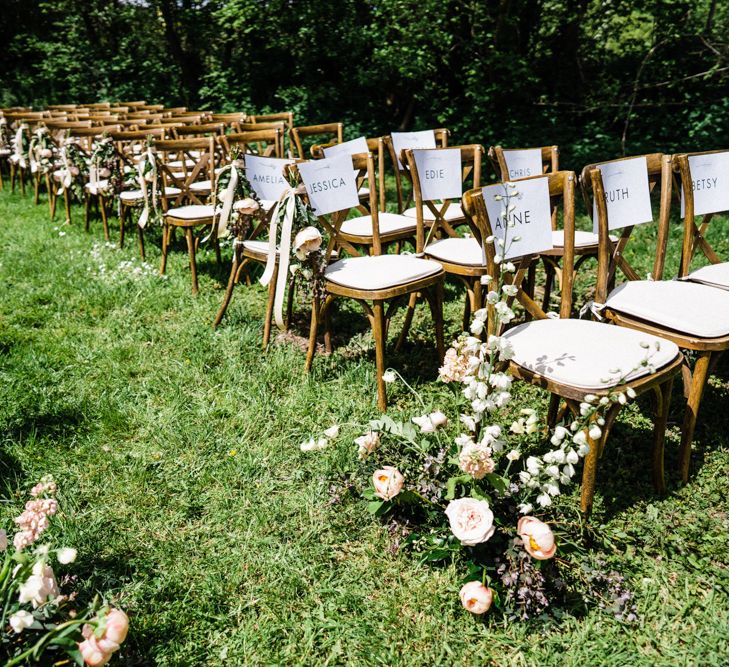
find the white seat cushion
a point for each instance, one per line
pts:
(258, 247)
(466, 251)
(363, 191)
(454, 212)
(389, 223)
(4, 152)
(134, 195)
(177, 164)
(94, 188)
(582, 239)
(685, 307)
(585, 354)
(200, 186)
(716, 275)
(377, 272)
(58, 174)
(191, 212)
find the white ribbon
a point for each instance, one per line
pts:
(594, 308)
(67, 178)
(144, 217)
(18, 148)
(287, 201)
(227, 199)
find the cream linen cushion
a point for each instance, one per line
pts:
(466, 251)
(389, 223)
(716, 275)
(191, 212)
(134, 195)
(378, 272)
(454, 212)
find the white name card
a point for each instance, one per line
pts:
(353, 147)
(330, 183)
(709, 182)
(530, 220)
(440, 173)
(627, 194)
(266, 176)
(523, 163)
(403, 140)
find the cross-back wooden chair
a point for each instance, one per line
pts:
(574, 358)
(693, 316)
(436, 237)
(286, 116)
(405, 195)
(375, 281)
(332, 132)
(186, 210)
(199, 130)
(716, 273)
(266, 142)
(168, 127)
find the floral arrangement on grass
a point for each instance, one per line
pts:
(150, 181)
(39, 619)
(471, 487)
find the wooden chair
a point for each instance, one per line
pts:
(98, 105)
(332, 131)
(439, 140)
(186, 210)
(716, 273)
(436, 236)
(195, 130)
(267, 143)
(230, 119)
(575, 358)
(377, 278)
(286, 116)
(512, 164)
(693, 316)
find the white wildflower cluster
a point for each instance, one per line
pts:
(133, 270)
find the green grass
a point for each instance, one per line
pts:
(183, 487)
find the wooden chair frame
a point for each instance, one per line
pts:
(333, 130)
(550, 160)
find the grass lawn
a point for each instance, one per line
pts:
(176, 449)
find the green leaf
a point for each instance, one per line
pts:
(452, 482)
(499, 483)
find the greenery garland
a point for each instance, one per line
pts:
(42, 151)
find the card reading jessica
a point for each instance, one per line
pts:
(523, 163)
(531, 219)
(627, 195)
(265, 174)
(353, 147)
(331, 184)
(403, 140)
(440, 173)
(710, 183)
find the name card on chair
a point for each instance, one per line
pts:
(709, 182)
(353, 147)
(523, 163)
(627, 194)
(530, 220)
(265, 174)
(403, 140)
(440, 173)
(331, 184)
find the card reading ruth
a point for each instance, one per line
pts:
(530, 220)
(330, 183)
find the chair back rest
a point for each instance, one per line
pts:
(150, 117)
(618, 194)
(215, 129)
(98, 105)
(105, 119)
(132, 105)
(333, 131)
(266, 143)
(130, 143)
(61, 107)
(704, 191)
(438, 176)
(511, 164)
(194, 160)
(286, 117)
(513, 223)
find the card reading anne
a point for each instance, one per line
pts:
(709, 182)
(627, 195)
(265, 174)
(353, 147)
(440, 173)
(523, 163)
(330, 183)
(531, 220)
(403, 140)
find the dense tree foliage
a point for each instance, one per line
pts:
(598, 77)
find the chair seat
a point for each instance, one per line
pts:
(258, 248)
(191, 212)
(93, 188)
(4, 152)
(716, 275)
(377, 272)
(465, 251)
(454, 212)
(390, 223)
(201, 186)
(684, 307)
(584, 354)
(363, 191)
(59, 174)
(177, 164)
(136, 195)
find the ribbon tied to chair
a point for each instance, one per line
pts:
(228, 196)
(18, 154)
(148, 157)
(287, 204)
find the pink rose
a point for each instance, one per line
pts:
(117, 626)
(537, 537)
(104, 173)
(476, 598)
(247, 206)
(471, 520)
(388, 482)
(46, 152)
(91, 652)
(97, 651)
(306, 241)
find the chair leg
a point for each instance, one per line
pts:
(412, 303)
(218, 257)
(290, 301)
(104, 219)
(12, 178)
(378, 326)
(36, 188)
(49, 189)
(467, 311)
(435, 301)
(21, 176)
(122, 222)
(549, 280)
(87, 211)
(589, 475)
(553, 410)
(54, 203)
(140, 236)
(67, 205)
(696, 390)
(530, 285)
(269, 309)
(313, 327)
(229, 295)
(327, 331)
(191, 251)
(663, 402)
(165, 245)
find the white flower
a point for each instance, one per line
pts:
(560, 433)
(568, 470)
(631, 392)
(471, 520)
(552, 471)
(583, 450)
(543, 500)
(332, 432)
(510, 290)
(517, 427)
(307, 240)
(492, 297)
(469, 422)
(314, 445)
(525, 508)
(571, 456)
(509, 267)
(437, 418)
(500, 381)
(389, 376)
(533, 465)
(39, 587)
(66, 555)
(525, 477)
(579, 438)
(426, 426)
(590, 398)
(21, 620)
(513, 455)
(476, 327)
(367, 444)
(595, 432)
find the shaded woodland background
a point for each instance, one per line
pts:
(600, 78)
